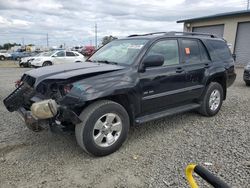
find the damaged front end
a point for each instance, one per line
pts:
(38, 110)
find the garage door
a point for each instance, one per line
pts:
(217, 30)
(242, 46)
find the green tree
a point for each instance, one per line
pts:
(108, 39)
(7, 46)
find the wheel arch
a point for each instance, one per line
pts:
(222, 80)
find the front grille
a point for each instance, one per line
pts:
(28, 79)
(19, 97)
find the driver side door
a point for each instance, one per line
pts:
(59, 58)
(163, 86)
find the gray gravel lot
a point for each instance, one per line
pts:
(155, 154)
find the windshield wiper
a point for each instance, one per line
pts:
(106, 62)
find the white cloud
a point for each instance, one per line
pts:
(72, 21)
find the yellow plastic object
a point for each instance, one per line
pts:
(189, 174)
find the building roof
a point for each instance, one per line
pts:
(221, 15)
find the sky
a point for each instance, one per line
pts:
(72, 22)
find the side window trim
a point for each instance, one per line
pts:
(201, 45)
(163, 66)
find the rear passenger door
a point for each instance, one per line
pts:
(196, 62)
(70, 57)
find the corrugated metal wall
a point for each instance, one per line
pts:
(242, 46)
(213, 29)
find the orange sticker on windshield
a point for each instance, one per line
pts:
(187, 50)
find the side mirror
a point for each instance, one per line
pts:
(234, 56)
(153, 61)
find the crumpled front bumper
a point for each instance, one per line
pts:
(31, 121)
(22, 99)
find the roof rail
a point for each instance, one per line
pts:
(192, 33)
(176, 33)
(155, 33)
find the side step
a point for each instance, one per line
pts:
(167, 112)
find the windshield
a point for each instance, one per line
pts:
(119, 51)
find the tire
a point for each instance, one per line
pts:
(47, 63)
(214, 91)
(87, 133)
(2, 58)
(21, 65)
(247, 83)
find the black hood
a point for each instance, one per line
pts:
(66, 71)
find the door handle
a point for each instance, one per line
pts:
(207, 65)
(179, 70)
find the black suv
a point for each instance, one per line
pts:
(128, 81)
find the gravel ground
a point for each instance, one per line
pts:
(155, 154)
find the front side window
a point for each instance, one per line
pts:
(191, 51)
(60, 54)
(119, 51)
(168, 49)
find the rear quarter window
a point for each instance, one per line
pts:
(219, 50)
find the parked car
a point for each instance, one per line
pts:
(57, 57)
(25, 61)
(4, 55)
(18, 55)
(128, 81)
(246, 76)
(87, 51)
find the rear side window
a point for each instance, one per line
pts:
(191, 51)
(70, 54)
(220, 50)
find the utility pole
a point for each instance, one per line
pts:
(95, 35)
(47, 37)
(248, 3)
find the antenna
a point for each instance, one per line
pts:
(47, 38)
(95, 35)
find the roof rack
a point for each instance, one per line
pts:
(192, 34)
(176, 33)
(155, 33)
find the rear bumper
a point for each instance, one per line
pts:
(231, 79)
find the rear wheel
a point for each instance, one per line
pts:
(47, 63)
(212, 99)
(104, 128)
(248, 83)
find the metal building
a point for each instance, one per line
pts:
(233, 26)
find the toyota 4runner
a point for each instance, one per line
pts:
(128, 81)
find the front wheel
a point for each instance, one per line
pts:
(2, 58)
(104, 128)
(212, 99)
(47, 63)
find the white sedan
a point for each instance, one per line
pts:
(57, 57)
